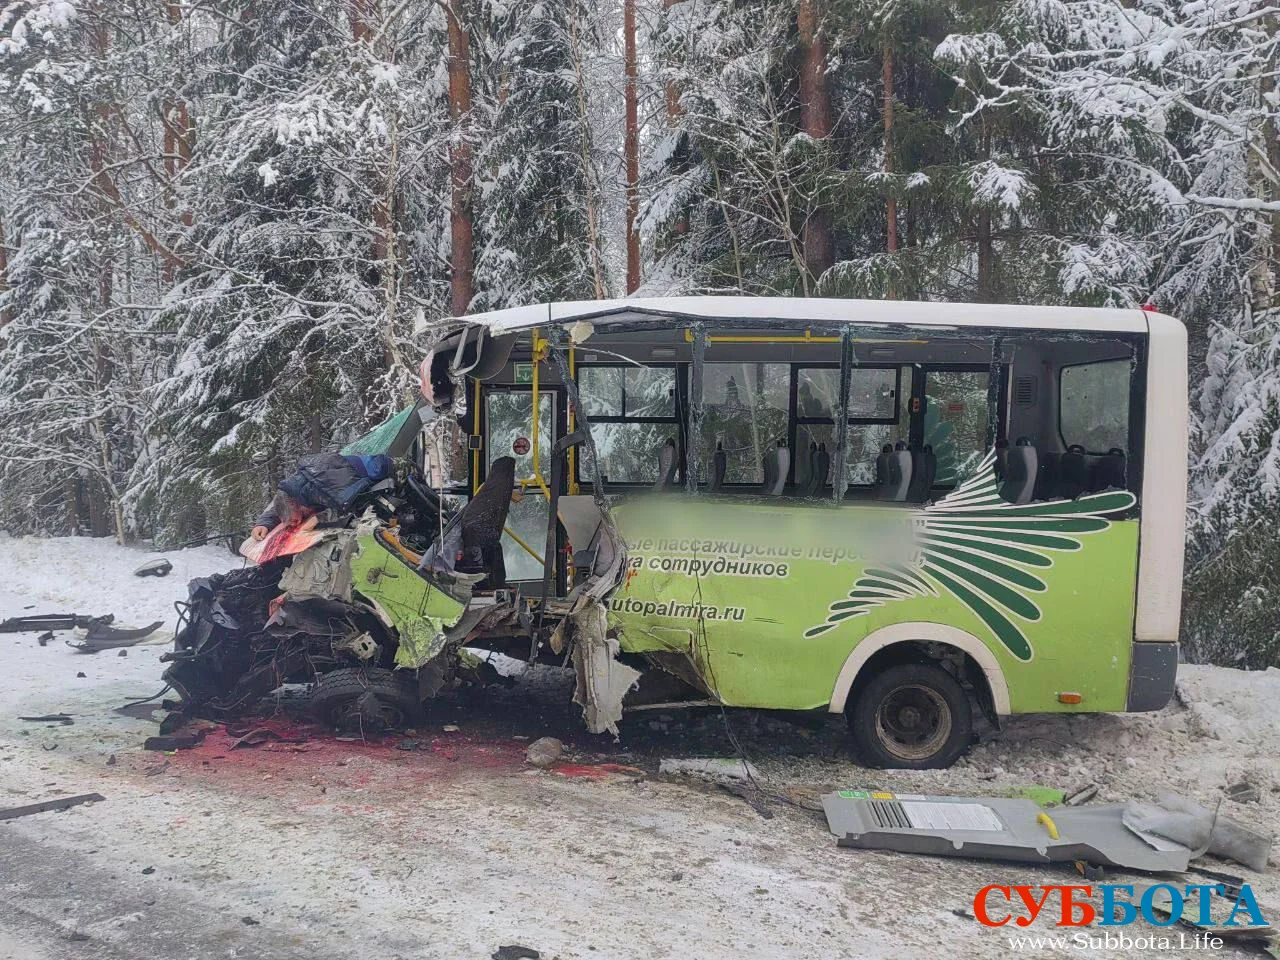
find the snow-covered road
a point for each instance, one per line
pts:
(334, 849)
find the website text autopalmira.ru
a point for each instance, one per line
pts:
(1119, 941)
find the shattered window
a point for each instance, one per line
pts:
(527, 520)
(630, 392)
(874, 394)
(1094, 405)
(509, 417)
(446, 460)
(745, 410)
(955, 421)
(632, 410)
(628, 451)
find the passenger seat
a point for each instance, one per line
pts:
(924, 469)
(719, 467)
(1020, 473)
(1109, 471)
(804, 467)
(1002, 458)
(897, 472)
(1047, 475)
(666, 465)
(819, 467)
(777, 463)
(1073, 473)
(882, 468)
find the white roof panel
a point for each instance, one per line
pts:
(800, 310)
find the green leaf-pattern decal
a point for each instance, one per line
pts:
(986, 552)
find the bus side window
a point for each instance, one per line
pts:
(875, 394)
(745, 412)
(955, 421)
(1093, 406)
(633, 414)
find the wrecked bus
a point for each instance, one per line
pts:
(903, 512)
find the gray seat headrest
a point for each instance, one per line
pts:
(777, 463)
(719, 467)
(666, 465)
(1021, 468)
(897, 473)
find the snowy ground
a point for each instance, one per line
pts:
(332, 849)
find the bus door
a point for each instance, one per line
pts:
(510, 430)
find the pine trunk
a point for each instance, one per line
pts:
(178, 136)
(5, 313)
(72, 490)
(815, 120)
(673, 89)
(590, 179)
(891, 204)
(102, 513)
(674, 113)
(631, 143)
(986, 259)
(986, 244)
(98, 524)
(388, 247)
(462, 270)
(1264, 279)
(360, 13)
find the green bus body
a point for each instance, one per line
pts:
(759, 641)
(791, 595)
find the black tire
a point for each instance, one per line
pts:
(366, 700)
(912, 716)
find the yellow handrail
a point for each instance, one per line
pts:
(527, 549)
(539, 354)
(475, 454)
(573, 423)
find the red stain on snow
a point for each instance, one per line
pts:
(301, 757)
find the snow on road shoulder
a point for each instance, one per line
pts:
(89, 577)
(94, 576)
(1234, 705)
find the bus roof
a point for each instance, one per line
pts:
(815, 310)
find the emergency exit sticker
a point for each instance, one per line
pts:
(524, 373)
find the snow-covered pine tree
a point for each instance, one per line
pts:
(320, 161)
(537, 174)
(1163, 118)
(731, 168)
(86, 243)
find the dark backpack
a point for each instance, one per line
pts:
(330, 481)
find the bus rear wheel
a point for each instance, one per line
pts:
(912, 716)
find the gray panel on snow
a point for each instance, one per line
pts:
(993, 828)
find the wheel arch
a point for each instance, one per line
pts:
(917, 632)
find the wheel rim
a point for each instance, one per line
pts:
(913, 722)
